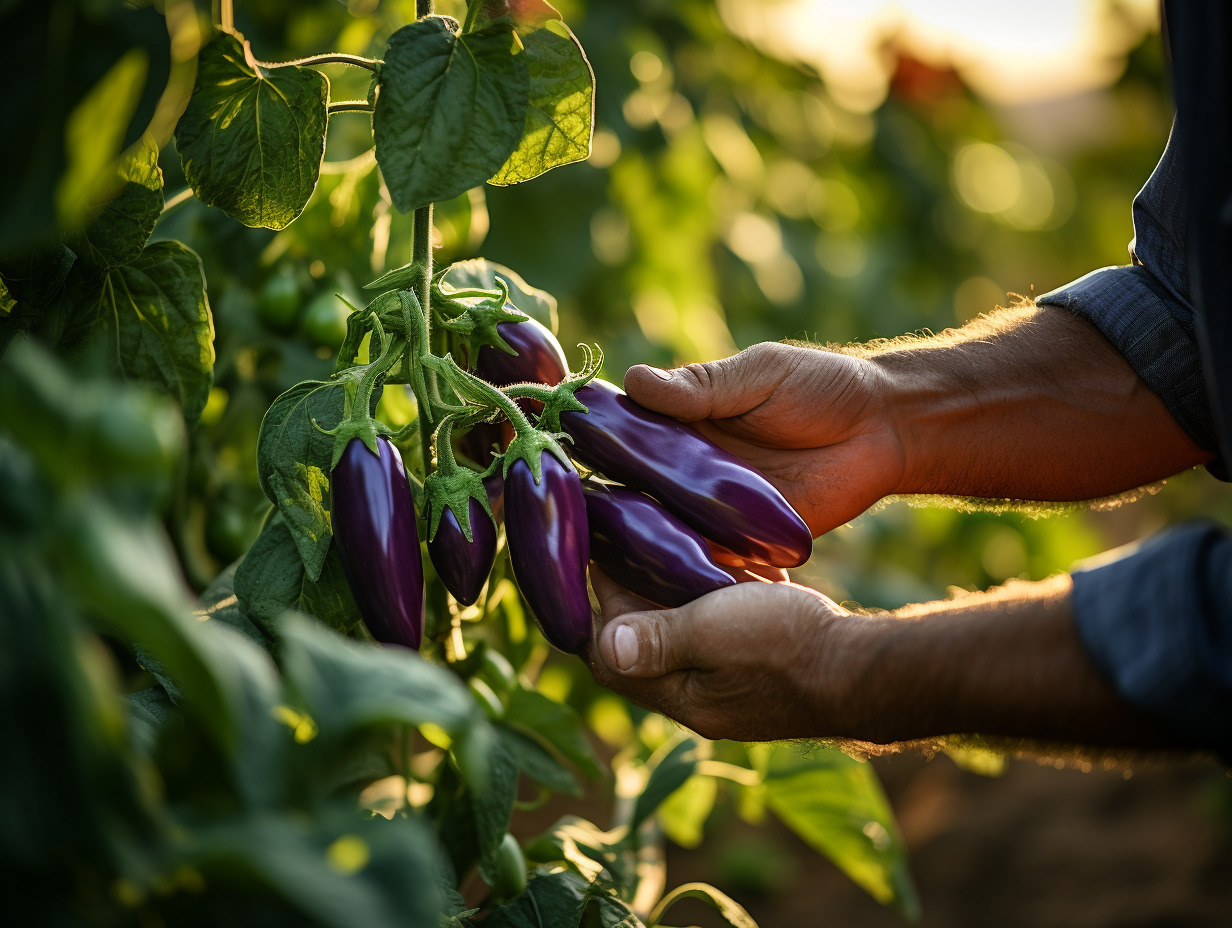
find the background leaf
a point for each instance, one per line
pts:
(449, 111)
(560, 112)
(836, 804)
(156, 315)
(272, 580)
(120, 231)
(293, 463)
(252, 143)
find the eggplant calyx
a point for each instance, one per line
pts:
(529, 446)
(561, 398)
(454, 488)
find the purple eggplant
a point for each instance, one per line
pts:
(463, 565)
(549, 547)
(539, 357)
(642, 546)
(707, 488)
(373, 516)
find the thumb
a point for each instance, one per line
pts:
(713, 390)
(647, 644)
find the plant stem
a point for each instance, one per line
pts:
(422, 8)
(349, 106)
(177, 198)
(355, 61)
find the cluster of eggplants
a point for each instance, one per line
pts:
(650, 535)
(682, 493)
(373, 516)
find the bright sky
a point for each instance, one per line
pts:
(1010, 52)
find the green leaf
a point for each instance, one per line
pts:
(559, 726)
(537, 762)
(683, 814)
(603, 857)
(560, 114)
(331, 869)
(272, 580)
(729, 910)
(563, 900)
(668, 775)
(293, 463)
(94, 135)
(349, 686)
(251, 142)
(481, 274)
(836, 804)
(120, 231)
(148, 711)
(156, 317)
(221, 606)
(449, 111)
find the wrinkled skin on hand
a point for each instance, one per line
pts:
(751, 662)
(816, 423)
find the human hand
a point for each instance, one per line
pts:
(750, 662)
(814, 422)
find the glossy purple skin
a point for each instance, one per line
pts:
(549, 547)
(464, 565)
(539, 357)
(373, 516)
(707, 488)
(645, 548)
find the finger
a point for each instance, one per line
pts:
(614, 599)
(646, 644)
(715, 389)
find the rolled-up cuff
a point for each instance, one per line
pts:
(1143, 321)
(1156, 621)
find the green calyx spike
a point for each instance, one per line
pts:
(453, 488)
(561, 398)
(529, 446)
(475, 324)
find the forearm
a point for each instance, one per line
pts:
(1031, 403)
(1003, 663)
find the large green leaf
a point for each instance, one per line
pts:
(349, 686)
(157, 321)
(251, 141)
(293, 463)
(449, 111)
(560, 113)
(552, 722)
(120, 231)
(473, 821)
(481, 274)
(272, 580)
(537, 762)
(836, 804)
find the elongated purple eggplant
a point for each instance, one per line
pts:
(549, 547)
(539, 357)
(373, 516)
(707, 488)
(464, 565)
(642, 546)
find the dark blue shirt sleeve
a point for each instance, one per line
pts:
(1157, 621)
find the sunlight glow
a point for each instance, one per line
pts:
(1009, 53)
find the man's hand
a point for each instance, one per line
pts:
(749, 662)
(814, 422)
(1030, 403)
(768, 661)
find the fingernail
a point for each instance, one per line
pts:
(624, 643)
(658, 372)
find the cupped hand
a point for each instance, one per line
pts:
(814, 422)
(752, 662)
